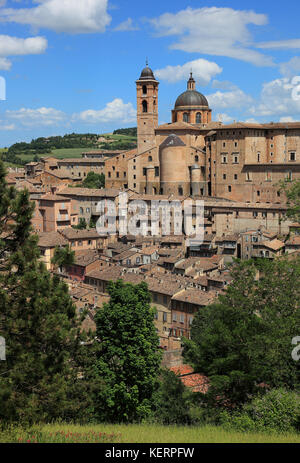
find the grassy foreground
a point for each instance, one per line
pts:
(106, 433)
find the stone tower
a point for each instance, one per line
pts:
(147, 110)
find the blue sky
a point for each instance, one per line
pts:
(71, 65)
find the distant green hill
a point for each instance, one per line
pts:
(70, 145)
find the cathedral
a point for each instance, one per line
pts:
(195, 156)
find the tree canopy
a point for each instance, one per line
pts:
(243, 341)
(128, 357)
(40, 379)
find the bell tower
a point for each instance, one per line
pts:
(147, 109)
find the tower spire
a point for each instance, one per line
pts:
(191, 85)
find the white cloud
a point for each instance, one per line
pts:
(225, 118)
(72, 17)
(12, 46)
(5, 126)
(280, 44)
(37, 117)
(126, 26)
(116, 110)
(233, 99)
(276, 99)
(223, 85)
(203, 71)
(287, 119)
(214, 31)
(251, 120)
(5, 64)
(291, 68)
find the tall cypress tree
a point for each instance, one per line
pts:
(41, 377)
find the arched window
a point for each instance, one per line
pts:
(196, 158)
(144, 89)
(175, 117)
(145, 106)
(150, 159)
(154, 190)
(186, 117)
(198, 118)
(180, 191)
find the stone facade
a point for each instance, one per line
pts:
(195, 156)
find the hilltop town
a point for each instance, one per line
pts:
(234, 169)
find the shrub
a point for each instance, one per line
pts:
(278, 410)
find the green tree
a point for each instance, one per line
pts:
(292, 192)
(94, 181)
(81, 225)
(40, 379)
(63, 256)
(128, 357)
(245, 338)
(172, 400)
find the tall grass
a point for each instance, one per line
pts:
(107, 433)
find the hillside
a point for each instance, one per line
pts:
(67, 146)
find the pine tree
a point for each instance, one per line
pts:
(40, 379)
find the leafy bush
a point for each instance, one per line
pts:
(278, 410)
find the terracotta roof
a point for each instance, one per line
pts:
(79, 161)
(194, 381)
(51, 239)
(182, 370)
(176, 126)
(51, 197)
(195, 296)
(293, 241)
(186, 263)
(25, 185)
(90, 192)
(126, 254)
(73, 234)
(86, 257)
(148, 251)
(274, 245)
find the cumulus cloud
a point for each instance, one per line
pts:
(214, 31)
(126, 26)
(72, 17)
(116, 110)
(291, 68)
(276, 99)
(232, 99)
(12, 46)
(37, 117)
(203, 71)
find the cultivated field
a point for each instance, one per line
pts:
(106, 433)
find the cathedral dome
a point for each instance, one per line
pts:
(191, 98)
(147, 74)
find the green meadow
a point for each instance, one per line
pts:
(109, 433)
